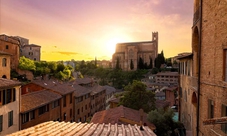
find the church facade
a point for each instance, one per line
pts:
(129, 54)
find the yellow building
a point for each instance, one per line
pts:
(9, 106)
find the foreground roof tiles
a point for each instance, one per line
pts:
(77, 129)
(6, 83)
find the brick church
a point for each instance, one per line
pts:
(130, 53)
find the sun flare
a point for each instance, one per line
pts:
(112, 42)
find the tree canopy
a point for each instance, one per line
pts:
(26, 64)
(137, 97)
(163, 120)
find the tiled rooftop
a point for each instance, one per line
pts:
(57, 86)
(80, 90)
(37, 99)
(109, 89)
(113, 116)
(84, 81)
(6, 83)
(83, 129)
(96, 89)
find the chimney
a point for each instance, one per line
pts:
(141, 119)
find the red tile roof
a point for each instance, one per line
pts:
(80, 90)
(83, 81)
(115, 114)
(96, 89)
(83, 129)
(37, 99)
(6, 83)
(57, 86)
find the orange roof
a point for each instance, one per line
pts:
(83, 129)
(37, 99)
(113, 116)
(83, 81)
(80, 90)
(57, 86)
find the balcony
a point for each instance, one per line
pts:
(196, 16)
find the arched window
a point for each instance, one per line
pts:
(4, 61)
(4, 76)
(7, 46)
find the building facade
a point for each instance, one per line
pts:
(10, 45)
(209, 47)
(4, 65)
(31, 51)
(9, 106)
(210, 40)
(169, 78)
(129, 54)
(188, 92)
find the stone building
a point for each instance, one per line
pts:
(9, 106)
(31, 51)
(10, 45)
(4, 65)
(130, 53)
(209, 48)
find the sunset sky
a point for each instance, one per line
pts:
(85, 29)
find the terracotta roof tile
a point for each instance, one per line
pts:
(80, 90)
(37, 99)
(70, 129)
(84, 80)
(113, 116)
(6, 83)
(96, 89)
(109, 89)
(57, 86)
